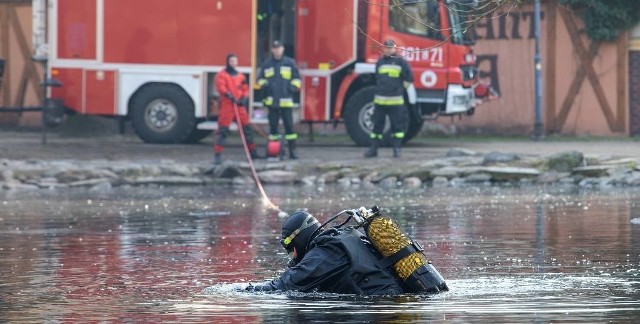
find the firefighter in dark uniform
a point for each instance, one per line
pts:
(393, 76)
(279, 79)
(335, 261)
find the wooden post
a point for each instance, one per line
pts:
(621, 83)
(22, 88)
(23, 44)
(5, 39)
(4, 43)
(10, 24)
(550, 71)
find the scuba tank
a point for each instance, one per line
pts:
(400, 251)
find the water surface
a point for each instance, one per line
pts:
(184, 255)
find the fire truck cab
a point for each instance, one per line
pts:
(153, 62)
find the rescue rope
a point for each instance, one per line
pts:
(250, 160)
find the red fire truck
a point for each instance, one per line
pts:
(153, 62)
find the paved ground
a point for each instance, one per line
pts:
(27, 145)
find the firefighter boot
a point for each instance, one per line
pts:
(373, 149)
(218, 145)
(248, 133)
(292, 150)
(217, 160)
(396, 143)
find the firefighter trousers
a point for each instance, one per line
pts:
(275, 113)
(396, 115)
(228, 115)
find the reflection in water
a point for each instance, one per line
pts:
(539, 259)
(185, 254)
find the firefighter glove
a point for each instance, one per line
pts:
(231, 97)
(244, 102)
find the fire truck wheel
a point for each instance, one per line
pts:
(162, 113)
(358, 115)
(358, 119)
(415, 125)
(197, 135)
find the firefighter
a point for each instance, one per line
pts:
(335, 261)
(279, 79)
(234, 91)
(393, 76)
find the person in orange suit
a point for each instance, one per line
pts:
(234, 91)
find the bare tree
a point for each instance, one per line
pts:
(422, 16)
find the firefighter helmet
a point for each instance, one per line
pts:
(389, 43)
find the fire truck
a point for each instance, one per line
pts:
(153, 62)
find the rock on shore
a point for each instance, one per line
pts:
(457, 168)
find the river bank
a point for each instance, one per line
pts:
(458, 167)
(102, 161)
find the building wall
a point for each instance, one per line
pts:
(634, 82)
(634, 92)
(20, 72)
(505, 54)
(505, 50)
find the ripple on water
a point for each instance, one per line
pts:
(508, 254)
(550, 293)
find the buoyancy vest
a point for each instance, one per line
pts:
(365, 275)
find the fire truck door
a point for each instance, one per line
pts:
(275, 21)
(325, 44)
(417, 29)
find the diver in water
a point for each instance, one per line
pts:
(341, 260)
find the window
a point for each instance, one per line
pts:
(415, 17)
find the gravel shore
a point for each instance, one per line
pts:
(104, 162)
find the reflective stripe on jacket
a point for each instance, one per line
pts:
(393, 75)
(277, 78)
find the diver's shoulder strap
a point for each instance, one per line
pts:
(402, 253)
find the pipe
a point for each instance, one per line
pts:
(538, 129)
(39, 21)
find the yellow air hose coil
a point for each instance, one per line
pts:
(388, 238)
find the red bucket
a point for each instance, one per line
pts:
(273, 148)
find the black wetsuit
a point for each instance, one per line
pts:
(338, 261)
